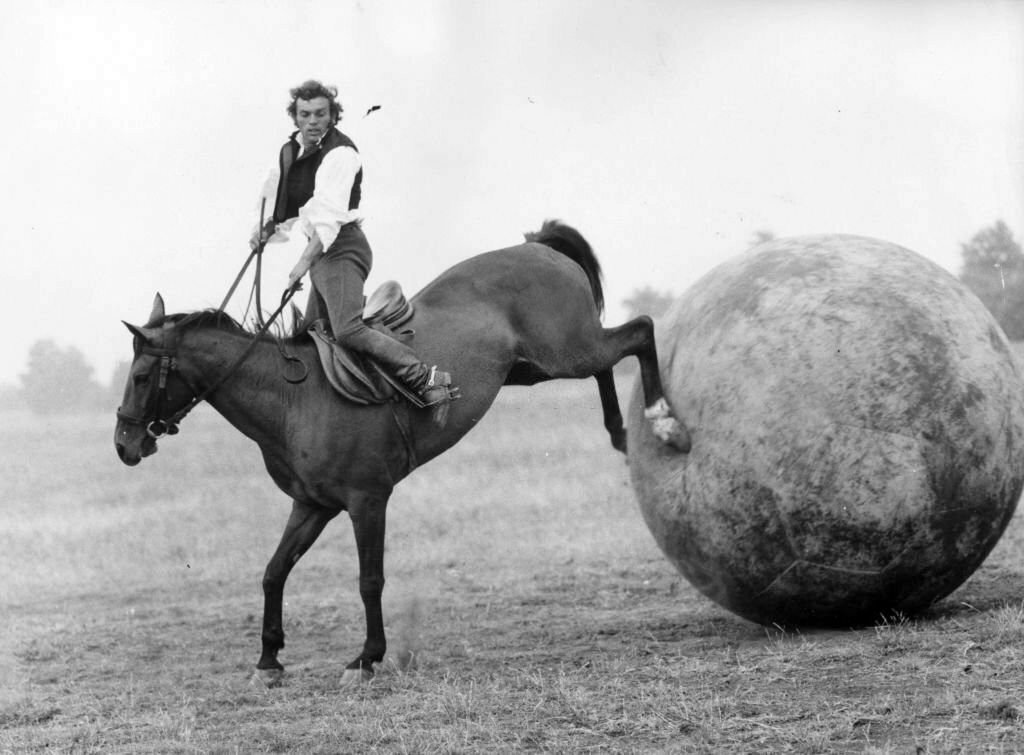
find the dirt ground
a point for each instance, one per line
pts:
(527, 607)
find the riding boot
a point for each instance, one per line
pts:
(338, 278)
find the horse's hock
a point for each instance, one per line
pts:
(857, 419)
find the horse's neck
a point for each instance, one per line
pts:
(249, 397)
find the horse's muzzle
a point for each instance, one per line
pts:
(132, 453)
(122, 454)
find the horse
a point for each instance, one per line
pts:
(514, 316)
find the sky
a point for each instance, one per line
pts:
(138, 132)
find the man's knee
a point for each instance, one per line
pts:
(352, 334)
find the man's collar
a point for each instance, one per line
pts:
(302, 147)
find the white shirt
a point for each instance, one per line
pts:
(327, 210)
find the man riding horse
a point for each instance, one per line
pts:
(315, 190)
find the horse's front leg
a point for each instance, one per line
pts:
(368, 517)
(304, 526)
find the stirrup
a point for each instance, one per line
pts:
(438, 388)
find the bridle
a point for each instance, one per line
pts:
(160, 424)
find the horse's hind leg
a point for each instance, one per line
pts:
(304, 526)
(636, 338)
(610, 407)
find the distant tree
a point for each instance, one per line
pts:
(993, 268)
(648, 301)
(58, 380)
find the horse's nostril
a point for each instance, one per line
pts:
(120, 450)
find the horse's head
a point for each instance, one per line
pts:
(154, 393)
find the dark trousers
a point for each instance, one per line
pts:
(338, 277)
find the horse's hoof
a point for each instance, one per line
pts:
(267, 677)
(353, 677)
(672, 432)
(667, 428)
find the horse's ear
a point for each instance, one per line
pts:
(136, 331)
(158, 310)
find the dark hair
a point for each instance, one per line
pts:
(312, 89)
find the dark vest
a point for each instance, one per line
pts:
(298, 175)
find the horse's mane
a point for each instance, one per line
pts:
(218, 319)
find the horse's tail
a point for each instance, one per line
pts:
(570, 242)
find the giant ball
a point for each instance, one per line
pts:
(857, 419)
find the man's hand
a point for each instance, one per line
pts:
(261, 236)
(295, 276)
(257, 239)
(309, 255)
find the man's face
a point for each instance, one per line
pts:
(313, 118)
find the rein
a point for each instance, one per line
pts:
(168, 355)
(161, 425)
(256, 252)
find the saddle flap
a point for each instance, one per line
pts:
(347, 371)
(355, 377)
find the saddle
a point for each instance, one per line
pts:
(355, 376)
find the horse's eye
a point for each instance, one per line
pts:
(141, 379)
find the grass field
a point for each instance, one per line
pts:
(538, 612)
